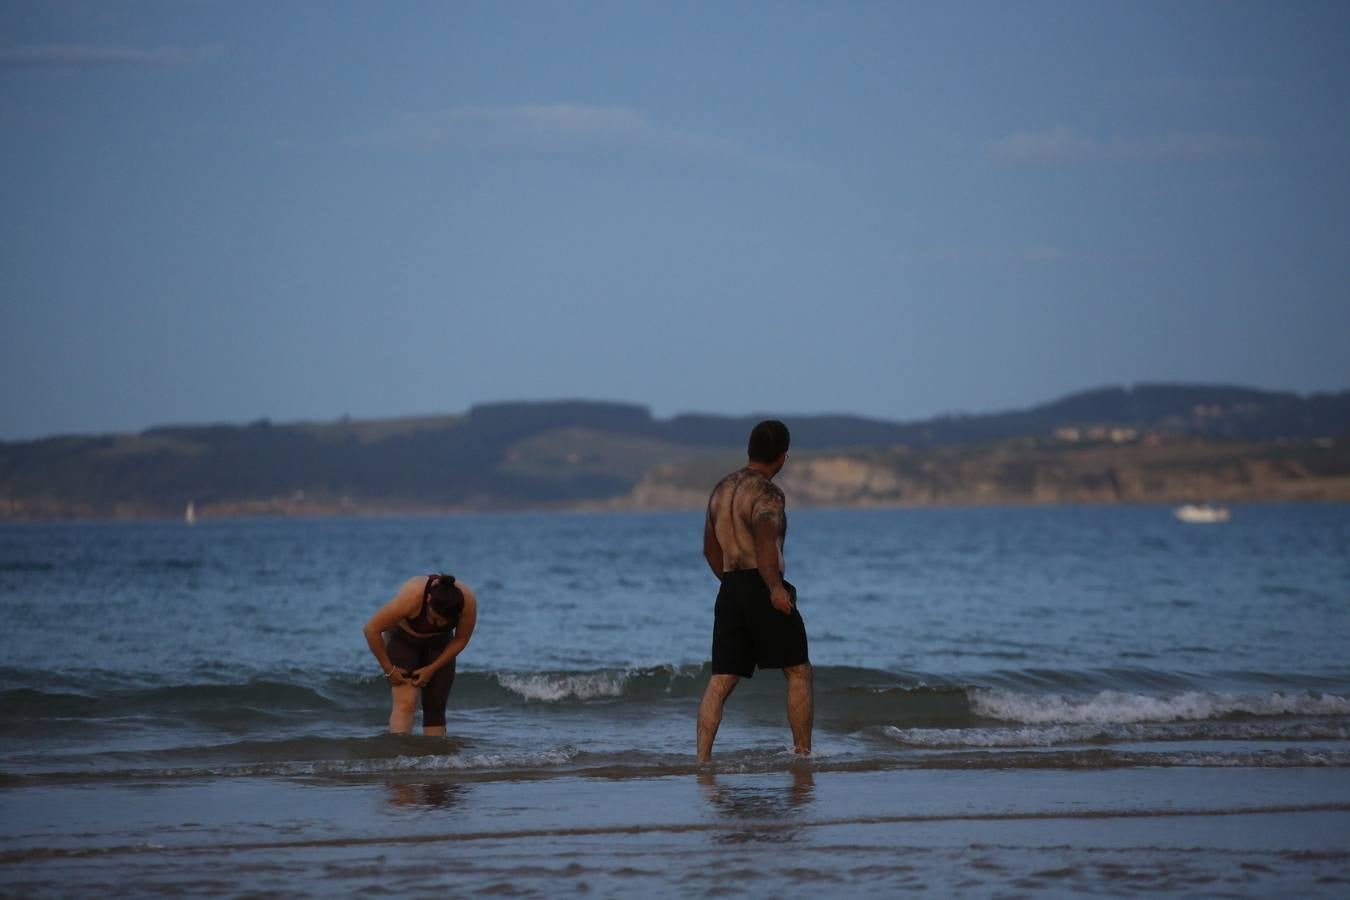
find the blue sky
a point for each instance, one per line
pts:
(228, 211)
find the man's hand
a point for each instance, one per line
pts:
(420, 677)
(781, 600)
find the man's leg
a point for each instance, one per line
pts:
(710, 712)
(800, 706)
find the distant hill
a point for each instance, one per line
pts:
(583, 453)
(1034, 471)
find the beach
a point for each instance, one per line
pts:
(1010, 702)
(788, 833)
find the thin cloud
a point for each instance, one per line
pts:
(589, 134)
(1067, 145)
(76, 56)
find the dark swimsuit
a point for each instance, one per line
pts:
(409, 651)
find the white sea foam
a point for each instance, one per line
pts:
(1059, 735)
(1291, 758)
(524, 760)
(1097, 758)
(435, 763)
(992, 737)
(1115, 707)
(551, 687)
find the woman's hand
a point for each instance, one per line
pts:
(420, 677)
(397, 676)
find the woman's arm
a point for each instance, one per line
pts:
(468, 618)
(405, 604)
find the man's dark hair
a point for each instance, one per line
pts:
(768, 441)
(446, 598)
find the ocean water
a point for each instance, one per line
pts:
(179, 681)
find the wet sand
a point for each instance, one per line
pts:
(1238, 832)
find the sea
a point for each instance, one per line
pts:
(1042, 701)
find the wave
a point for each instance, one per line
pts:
(551, 688)
(514, 762)
(256, 701)
(504, 764)
(284, 756)
(868, 697)
(1292, 758)
(642, 683)
(262, 700)
(1116, 707)
(1060, 735)
(848, 699)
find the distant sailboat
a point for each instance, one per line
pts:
(190, 514)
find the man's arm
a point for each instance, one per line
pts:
(767, 529)
(712, 550)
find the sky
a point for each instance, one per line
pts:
(227, 211)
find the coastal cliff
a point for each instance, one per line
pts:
(1036, 472)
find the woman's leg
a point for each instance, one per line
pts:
(404, 696)
(434, 697)
(405, 707)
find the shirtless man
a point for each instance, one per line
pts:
(415, 638)
(756, 622)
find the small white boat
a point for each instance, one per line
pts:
(190, 514)
(1201, 513)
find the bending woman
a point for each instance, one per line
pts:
(416, 638)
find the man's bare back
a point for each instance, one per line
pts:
(738, 504)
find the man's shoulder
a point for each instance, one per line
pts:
(770, 493)
(728, 480)
(750, 485)
(728, 487)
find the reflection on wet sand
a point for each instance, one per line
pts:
(426, 795)
(769, 807)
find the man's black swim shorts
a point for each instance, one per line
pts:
(749, 632)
